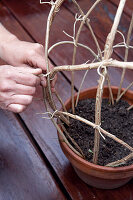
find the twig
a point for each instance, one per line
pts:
(131, 84)
(57, 127)
(130, 107)
(65, 139)
(126, 54)
(61, 102)
(75, 47)
(71, 42)
(108, 63)
(110, 90)
(90, 28)
(107, 55)
(77, 99)
(120, 162)
(49, 21)
(76, 117)
(72, 140)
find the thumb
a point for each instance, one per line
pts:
(28, 70)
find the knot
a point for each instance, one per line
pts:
(75, 43)
(84, 18)
(98, 127)
(97, 56)
(50, 2)
(126, 46)
(52, 114)
(100, 74)
(45, 75)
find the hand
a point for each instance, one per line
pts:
(17, 53)
(17, 87)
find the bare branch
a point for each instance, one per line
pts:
(108, 63)
(120, 162)
(98, 128)
(126, 54)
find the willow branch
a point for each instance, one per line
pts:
(107, 54)
(130, 85)
(49, 21)
(126, 54)
(65, 139)
(120, 162)
(108, 63)
(58, 129)
(61, 102)
(76, 117)
(72, 140)
(75, 48)
(77, 99)
(130, 107)
(71, 42)
(90, 28)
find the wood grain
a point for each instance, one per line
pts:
(129, 6)
(23, 175)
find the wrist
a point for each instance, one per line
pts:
(5, 39)
(5, 35)
(6, 50)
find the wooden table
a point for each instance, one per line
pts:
(32, 165)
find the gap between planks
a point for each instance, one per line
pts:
(42, 156)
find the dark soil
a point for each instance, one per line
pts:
(115, 119)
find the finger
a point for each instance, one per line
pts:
(38, 61)
(24, 89)
(27, 79)
(21, 99)
(16, 108)
(29, 70)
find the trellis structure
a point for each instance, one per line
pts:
(102, 60)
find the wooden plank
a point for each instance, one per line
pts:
(23, 175)
(129, 6)
(125, 192)
(47, 139)
(45, 134)
(30, 22)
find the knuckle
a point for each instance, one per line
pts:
(4, 86)
(32, 90)
(31, 53)
(29, 100)
(3, 97)
(38, 46)
(9, 73)
(34, 81)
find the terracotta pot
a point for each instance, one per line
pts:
(95, 175)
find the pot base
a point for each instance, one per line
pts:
(99, 182)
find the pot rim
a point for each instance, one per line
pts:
(85, 162)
